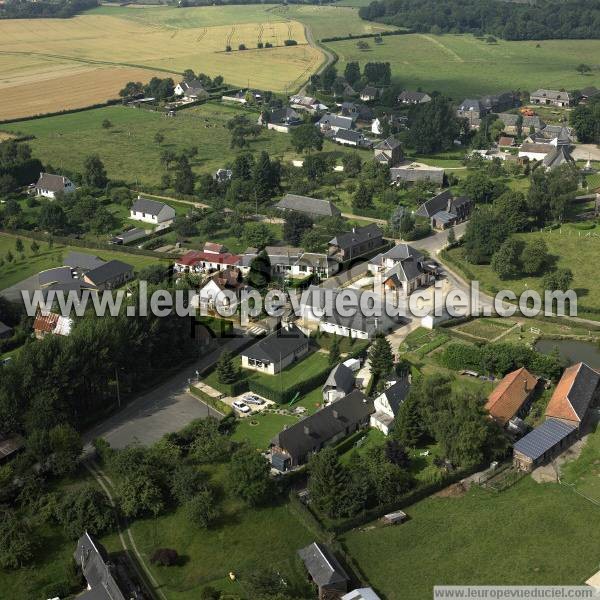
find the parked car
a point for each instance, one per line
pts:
(241, 406)
(254, 400)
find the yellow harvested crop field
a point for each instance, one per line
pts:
(48, 65)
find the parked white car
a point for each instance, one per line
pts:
(241, 406)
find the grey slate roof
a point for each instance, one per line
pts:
(434, 205)
(358, 236)
(560, 156)
(331, 120)
(285, 116)
(396, 394)
(308, 205)
(361, 594)
(113, 269)
(443, 216)
(51, 182)
(317, 429)
(80, 260)
(91, 556)
(407, 269)
(398, 252)
(340, 378)
(470, 104)
(147, 206)
(55, 275)
(582, 390)
(388, 144)
(413, 97)
(349, 135)
(543, 438)
(511, 120)
(550, 94)
(277, 345)
(322, 565)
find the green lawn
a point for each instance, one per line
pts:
(11, 273)
(514, 537)
(244, 540)
(128, 149)
(486, 329)
(584, 472)
(570, 247)
(260, 429)
(463, 66)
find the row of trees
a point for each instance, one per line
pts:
(585, 119)
(574, 19)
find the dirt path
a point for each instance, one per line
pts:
(330, 57)
(130, 549)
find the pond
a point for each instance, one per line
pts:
(572, 351)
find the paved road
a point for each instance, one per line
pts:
(436, 242)
(167, 408)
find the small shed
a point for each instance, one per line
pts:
(394, 518)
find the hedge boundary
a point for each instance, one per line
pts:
(215, 403)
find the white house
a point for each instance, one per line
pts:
(191, 90)
(151, 211)
(376, 127)
(48, 185)
(388, 403)
(276, 351)
(212, 295)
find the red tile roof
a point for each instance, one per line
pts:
(510, 395)
(45, 323)
(195, 256)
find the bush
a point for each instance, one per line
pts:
(290, 43)
(164, 557)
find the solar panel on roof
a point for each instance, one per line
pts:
(543, 438)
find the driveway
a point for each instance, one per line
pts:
(165, 409)
(438, 241)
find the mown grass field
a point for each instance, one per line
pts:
(128, 149)
(482, 538)
(569, 247)
(11, 273)
(56, 64)
(243, 541)
(462, 66)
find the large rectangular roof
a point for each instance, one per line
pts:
(543, 438)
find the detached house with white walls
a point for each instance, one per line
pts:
(276, 351)
(388, 403)
(151, 211)
(48, 185)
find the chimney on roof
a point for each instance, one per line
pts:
(336, 414)
(306, 430)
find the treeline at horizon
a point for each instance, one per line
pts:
(574, 19)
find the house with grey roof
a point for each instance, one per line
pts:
(281, 119)
(367, 593)
(49, 185)
(370, 93)
(558, 157)
(408, 97)
(356, 111)
(294, 445)
(151, 211)
(313, 207)
(358, 242)
(471, 110)
(325, 570)
(192, 89)
(444, 210)
(276, 351)
(389, 152)
(318, 310)
(331, 122)
(511, 123)
(388, 403)
(110, 275)
(339, 383)
(106, 579)
(400, 271)
(349, 137)
(544, 97)
(80, 262)
(410, 172)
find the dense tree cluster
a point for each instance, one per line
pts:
(574, 19)
(59, 9)
(585, 119)
(500, 358)
(434, 126)
(457, 422)
(17, 167)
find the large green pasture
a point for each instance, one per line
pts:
(129, 150)
(529, 534)
(463, 66)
